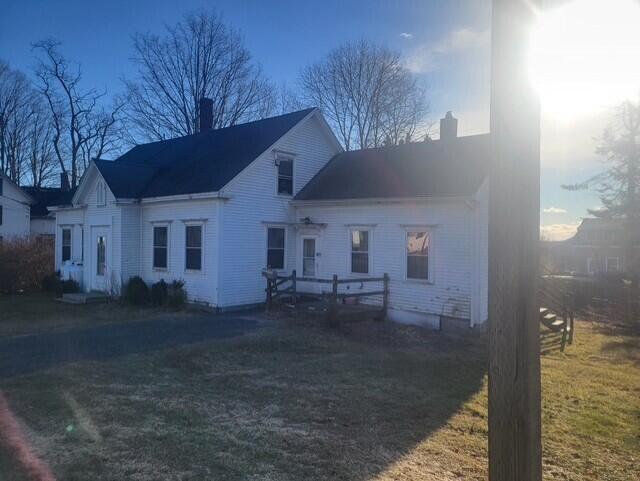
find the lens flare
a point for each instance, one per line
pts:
(585, 55)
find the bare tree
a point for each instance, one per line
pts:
(198, 57)
(367, 95)
(14, 97)
(75, 113)
(42, 160)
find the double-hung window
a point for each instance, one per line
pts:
(160, 246)
(285, 175)
(66, 245)
(193, 244)
(418, 255)
(275, 247)
(360, 251)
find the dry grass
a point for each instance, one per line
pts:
(292, 403)
(33, 313)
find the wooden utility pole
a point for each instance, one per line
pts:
(514, 220)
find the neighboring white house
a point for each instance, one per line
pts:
(23, 210)
(14, 210)
(217, 207)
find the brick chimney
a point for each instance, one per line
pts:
(64, 182)
(448, 127)
(205, 114)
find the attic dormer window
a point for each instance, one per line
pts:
(101, 195)
(285, 174)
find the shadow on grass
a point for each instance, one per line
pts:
(286, 403)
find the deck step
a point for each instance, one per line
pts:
(86, 298)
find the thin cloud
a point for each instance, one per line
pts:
(427, 57)
(406, 35)
(558, 232)
(554, 210)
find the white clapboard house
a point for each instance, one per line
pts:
(217, 207)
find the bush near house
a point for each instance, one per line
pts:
(136, 292)
(177, 295)
(24, 263)
(159, 293)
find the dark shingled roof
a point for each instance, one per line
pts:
(420, 169)
(202, 162)
(47, 196)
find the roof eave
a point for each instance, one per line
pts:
(383, 200)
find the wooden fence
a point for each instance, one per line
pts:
(277, 290)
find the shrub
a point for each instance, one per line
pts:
(159, 293)
(51, 282)
(67, 286)
(177, 295)
(136, 292)
(24, 263)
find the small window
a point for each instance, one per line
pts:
(193, 245)
(160, 246)
(0, 215)
(275, 248)
(1, 186)
(285, 176)
(101, 257)
(360, 251)
(101, 194)
(66, 245)
(418, 255)
(613, 264)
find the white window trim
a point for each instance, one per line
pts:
(350, 231)
(617, 259)
(430, 280)
(279, 155)
(202, 245)
(101, 194)
(266, 245)
(70, 229)
(590, 261)
(153, 246)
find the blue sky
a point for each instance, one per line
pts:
(446, 43)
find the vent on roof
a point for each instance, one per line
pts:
(206, 114)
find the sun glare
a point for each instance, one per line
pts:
(585, 55)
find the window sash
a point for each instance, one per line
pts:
(360, 251)
(66, 245)
(193, 247)
(285, 176)
(160, 246)
(275, 247)
(417, 250)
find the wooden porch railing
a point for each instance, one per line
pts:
(276, 290)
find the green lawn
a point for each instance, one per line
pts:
(368, 402)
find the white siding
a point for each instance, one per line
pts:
(15, 212)
(200, 286)
(254, 203)
(43, 226)
(452, 250)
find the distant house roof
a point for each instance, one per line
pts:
(455, 167)
(47, 196)
(203, 162)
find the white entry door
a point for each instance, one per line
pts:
(100, 258)
(309, 262)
